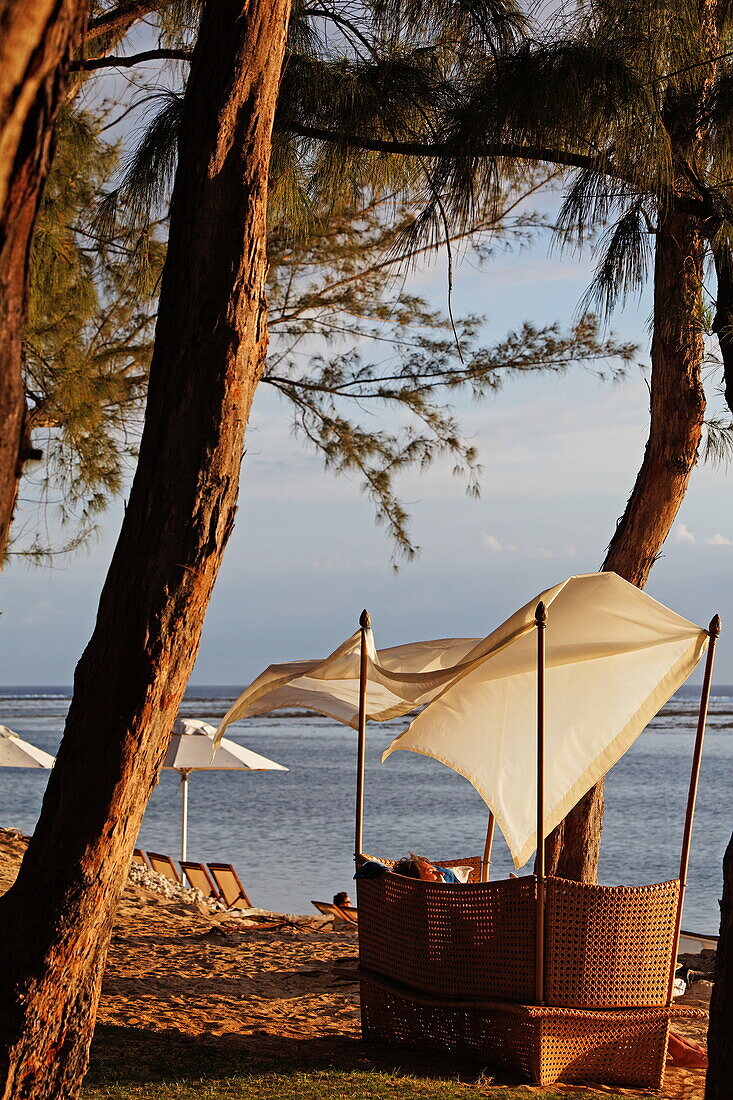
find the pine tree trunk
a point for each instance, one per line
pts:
(37, 39)
(723, 320)
(208, 358)
(720, 1029)
(677, 409)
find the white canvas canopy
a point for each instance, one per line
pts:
(399, 680)
(614, 656)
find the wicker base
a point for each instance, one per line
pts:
(544, 1045)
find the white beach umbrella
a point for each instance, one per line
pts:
(16, 753)
(191, 750)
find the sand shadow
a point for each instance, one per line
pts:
(166, 986)
(140, 1056)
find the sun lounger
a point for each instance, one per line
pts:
(232, 891)
(164, 865)
(694, 942)
(200, 879)
(339, 914)
(138, 856)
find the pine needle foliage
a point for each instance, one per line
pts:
(638, 97)
(634, 103)
(368, 369)
(89, 334)
(389, 352)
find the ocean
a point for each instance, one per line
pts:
(290, 834)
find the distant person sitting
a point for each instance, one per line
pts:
(341, 899)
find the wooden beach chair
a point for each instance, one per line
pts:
(233, 893)
(338, 914)
(164, 865)
(200, 879)
(138, 856)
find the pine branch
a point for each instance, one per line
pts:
(120, 18)
(342, 22)
(116, 62)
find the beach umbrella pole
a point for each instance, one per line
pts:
(486, 861)
(541, 623)
(713, 633)
(364, 623)
(184, 812)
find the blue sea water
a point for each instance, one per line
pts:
(290, 834)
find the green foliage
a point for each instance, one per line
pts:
(349, 340)
(718, 447)
(637, 97)
(388, 350)
(89, 333)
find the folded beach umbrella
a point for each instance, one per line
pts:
(191, 749)
(614, 656)
(16, 753)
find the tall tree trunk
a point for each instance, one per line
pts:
(677, 410)
(37, 39)
(208, 358)
(720, 1029)
(723, 320)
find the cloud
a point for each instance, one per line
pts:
(683, 535)
(538, 552)
(493, 544)
(718, 540)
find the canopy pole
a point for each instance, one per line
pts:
(541, 623)
(713, 633)
(486, 861)
(184, 812)
(365, 623)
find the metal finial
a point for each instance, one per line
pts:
(540, 615)
(364, 619)
(715, 626)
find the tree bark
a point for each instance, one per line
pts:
(208, 358)
(720, 1028)
(723, 320)
(37, 40)
(677, 410)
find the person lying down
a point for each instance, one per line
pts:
(414, 866)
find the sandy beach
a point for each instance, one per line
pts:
(259, 988)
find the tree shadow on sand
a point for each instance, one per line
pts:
(138, 1056)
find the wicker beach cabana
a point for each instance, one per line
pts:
(556, 980)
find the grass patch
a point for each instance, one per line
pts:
(329, 1085)
(135, 1064)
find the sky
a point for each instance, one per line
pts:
(559, 454)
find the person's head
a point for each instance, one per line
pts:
(342, 898)
(408, 867)
(416, 867)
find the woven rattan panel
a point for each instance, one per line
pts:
(544, 1045)
(469, 941)
(608, 946)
